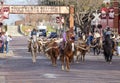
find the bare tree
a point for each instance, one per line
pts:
(83, 12)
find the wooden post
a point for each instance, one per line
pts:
(71, 18)
(116, 18)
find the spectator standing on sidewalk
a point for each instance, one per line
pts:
(2, 38)
(3, 41)
(118, 45)
(8, 38)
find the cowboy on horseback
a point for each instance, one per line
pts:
(32, 33)
(67, 51)
(67, 36)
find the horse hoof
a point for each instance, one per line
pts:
(77, 62)
(54, 65)
(63, 68)
(67, 70)
(34, 62)
(110, 62)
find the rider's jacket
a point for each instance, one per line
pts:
(33, 33)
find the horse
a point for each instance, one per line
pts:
(66, 56)
(108, 47)
(34, 48)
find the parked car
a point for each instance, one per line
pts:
(53, 35)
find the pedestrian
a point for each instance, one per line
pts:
(1, 43)
(118, 45)
(8, 38)
(89, 39)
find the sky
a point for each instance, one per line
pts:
(15, 17)
(20, 2)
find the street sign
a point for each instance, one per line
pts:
(96, 19)
(58, 19)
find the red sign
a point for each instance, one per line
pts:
(6, 11)
(107, 12)
(111, 13)
(103, 13)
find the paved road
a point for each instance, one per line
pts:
(17, 67)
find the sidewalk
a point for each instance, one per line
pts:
(4, 55)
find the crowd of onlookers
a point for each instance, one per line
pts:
(4, 42)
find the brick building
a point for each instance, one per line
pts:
(112, 21)
(117, 15)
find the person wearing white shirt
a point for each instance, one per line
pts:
(7, 39)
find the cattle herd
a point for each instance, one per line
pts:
(69, 52)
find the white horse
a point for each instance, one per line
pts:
(34, 47)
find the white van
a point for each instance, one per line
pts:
(42, 30)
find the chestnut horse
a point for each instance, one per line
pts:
(67, 55)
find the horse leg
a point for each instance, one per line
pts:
(39, 48)
(53, 60)
(83, 58)
(77, 57)
(33, 57)
(98, 50)
(71, 59)
(67, 63)
(110, 58)
(62, 61)
(29, 47)
(106, 57)
(94, 50)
